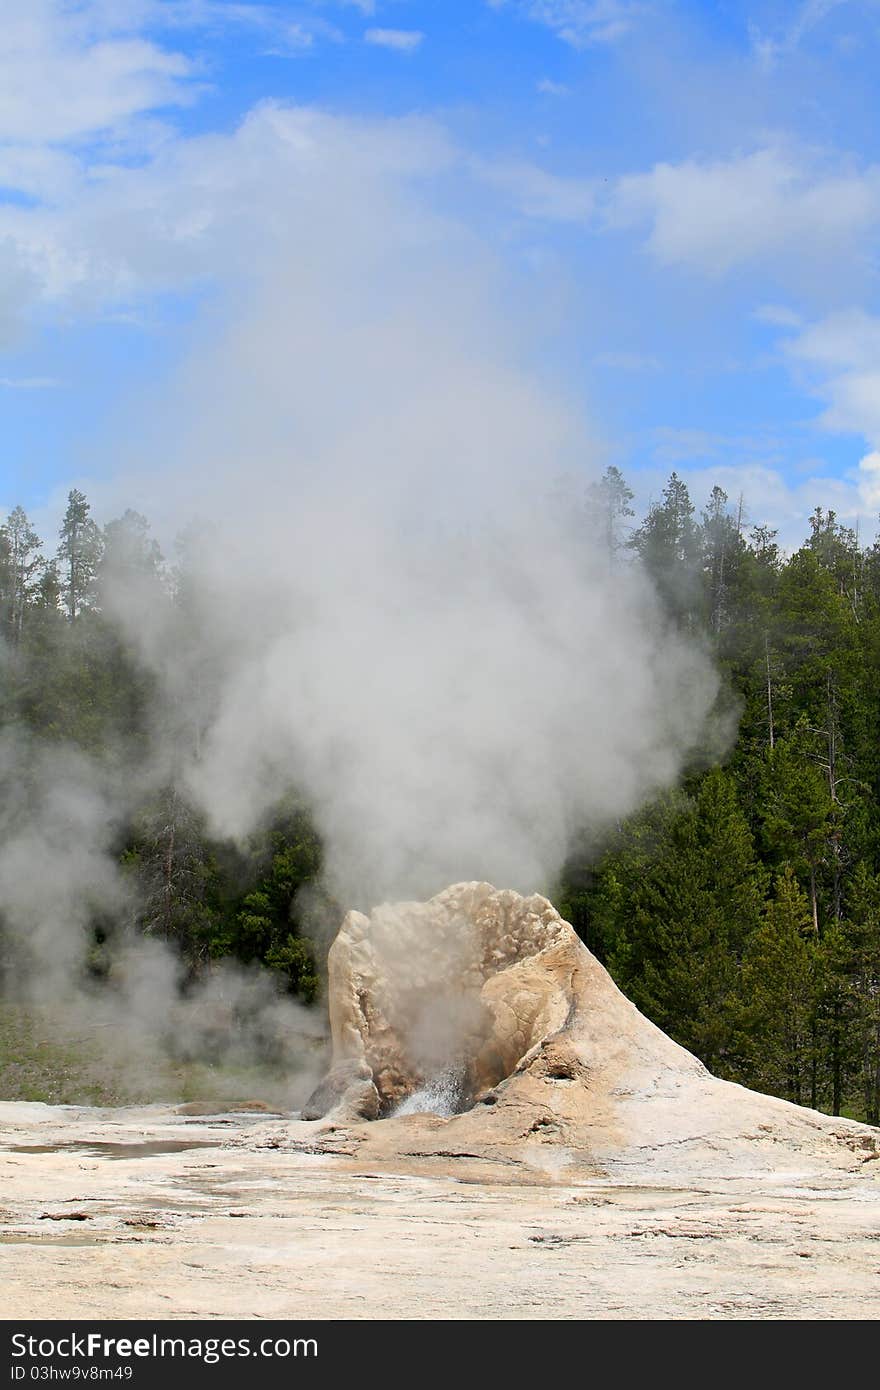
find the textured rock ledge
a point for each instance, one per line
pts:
(545, 1061)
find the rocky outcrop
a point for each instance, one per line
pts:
(347, 1090)
(479, 1024)
(461, 986)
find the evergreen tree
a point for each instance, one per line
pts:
(268, 924)
(608, 507)
(797, 812)
(721, 546)
(668, 546)
(837, 550)
(687, 920)
(127, 549)
(78, 554)
(20, 566)
(859, 958)
(776, 1032)
(178, 888)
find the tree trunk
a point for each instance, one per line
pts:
(769, 688)
(871, 1065)
(168, 872)
(836, 1061)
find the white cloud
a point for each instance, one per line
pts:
(272, 21)
(785, 504)
(849, 339)
(538, 193)
(101, 203)
(841, 355)
(869, 481)
(773, 203)
(552, 89)
(400, 40)
(101, 239)
(280, 32)
(38, 171)
(70, 72)
(19, 287)
(836, 360)
(200, 208)
(582, 23)
(769, 49)
(75, 69)
(778, 316)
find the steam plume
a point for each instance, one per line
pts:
(397, 617)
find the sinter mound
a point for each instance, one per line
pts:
(478, 1024)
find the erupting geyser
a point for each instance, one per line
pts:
(480, 1019)
(444, 997)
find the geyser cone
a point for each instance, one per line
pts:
(555, 1066)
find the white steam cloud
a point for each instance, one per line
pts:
(397, 615)
(411, 629)
(60, 818)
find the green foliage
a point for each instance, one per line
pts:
(79, 553)
(745, 918)
(775, 1012)
(856, 966)
(682, 924)
(668, 545)
(21, 565)
(72, 679)
(741, 911)
(215, 900)
(608, 511)
(266, 927)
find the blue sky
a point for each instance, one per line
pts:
(681, 200)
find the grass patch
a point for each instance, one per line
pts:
(46, 1057)
(38, 1065)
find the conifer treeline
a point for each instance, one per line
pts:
(740, 911)
(68, 676)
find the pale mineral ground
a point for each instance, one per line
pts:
(252, 1223)
(597, 1171)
